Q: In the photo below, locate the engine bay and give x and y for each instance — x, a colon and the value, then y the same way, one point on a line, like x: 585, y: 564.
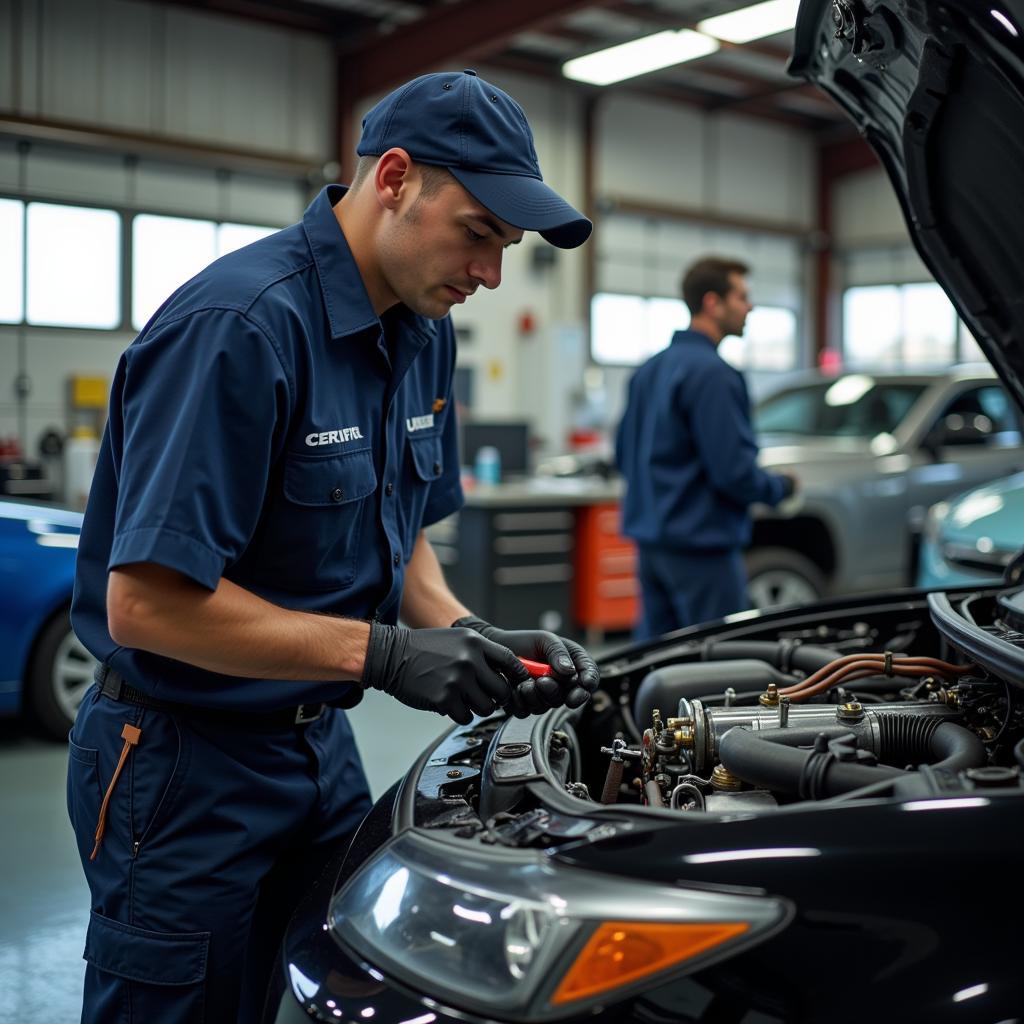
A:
x: 907, y: 700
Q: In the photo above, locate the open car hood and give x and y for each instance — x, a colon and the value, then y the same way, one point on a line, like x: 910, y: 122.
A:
x: 937, y: 90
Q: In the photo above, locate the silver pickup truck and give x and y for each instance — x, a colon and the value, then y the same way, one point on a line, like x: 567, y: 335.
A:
x: 870, y: 450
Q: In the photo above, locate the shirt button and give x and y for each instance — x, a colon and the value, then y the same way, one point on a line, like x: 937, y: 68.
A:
x: 337, y: 494
x: 437, y: 469
x: 389, y: 490
x: 397, y: 559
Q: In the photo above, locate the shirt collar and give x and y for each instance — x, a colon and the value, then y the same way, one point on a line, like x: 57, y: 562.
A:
x: 349, y: 310
x: 691, y: 335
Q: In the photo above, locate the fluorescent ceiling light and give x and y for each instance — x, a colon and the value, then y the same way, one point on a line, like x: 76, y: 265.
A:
x: 767, y: 19
x: 627, y: 60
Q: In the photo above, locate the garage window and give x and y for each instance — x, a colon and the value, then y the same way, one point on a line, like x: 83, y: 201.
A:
x: 12, y: 262
x: 168, y: 251
x: 74, y: 263
x: 626, y: 330
x: 902, y: 327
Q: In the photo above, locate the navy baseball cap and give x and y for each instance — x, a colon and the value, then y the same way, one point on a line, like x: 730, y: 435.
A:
x: 480, y: 134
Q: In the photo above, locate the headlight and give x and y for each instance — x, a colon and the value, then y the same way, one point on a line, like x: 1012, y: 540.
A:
x: 505, y: 932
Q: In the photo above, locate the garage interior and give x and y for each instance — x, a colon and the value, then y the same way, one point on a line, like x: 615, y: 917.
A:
x: 142, y: 139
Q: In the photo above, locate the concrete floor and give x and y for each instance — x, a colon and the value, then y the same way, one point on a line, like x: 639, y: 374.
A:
x: 44, y: 901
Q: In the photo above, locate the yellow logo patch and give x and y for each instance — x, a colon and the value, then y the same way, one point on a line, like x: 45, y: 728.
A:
x: 439, y: 404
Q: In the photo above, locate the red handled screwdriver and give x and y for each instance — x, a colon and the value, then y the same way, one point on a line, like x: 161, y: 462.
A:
x: 536, y: 668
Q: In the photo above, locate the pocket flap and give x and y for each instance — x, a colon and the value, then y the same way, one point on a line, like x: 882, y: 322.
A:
x: 158, y: 958
x: 335, y: 480
x: 427, y: 457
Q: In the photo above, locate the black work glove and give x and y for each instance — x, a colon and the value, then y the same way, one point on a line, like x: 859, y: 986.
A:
x: 575, y: 675
x: 454, y: 672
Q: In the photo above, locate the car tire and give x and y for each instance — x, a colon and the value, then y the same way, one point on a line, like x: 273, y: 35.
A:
x: 60, y: 671
x: 777, y: 577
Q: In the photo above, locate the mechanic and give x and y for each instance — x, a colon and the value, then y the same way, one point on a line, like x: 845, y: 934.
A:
x: 687, y: 451
x: 280, y: 433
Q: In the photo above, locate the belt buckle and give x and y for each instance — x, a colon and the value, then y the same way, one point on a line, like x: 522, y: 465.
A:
x: 305, y: 713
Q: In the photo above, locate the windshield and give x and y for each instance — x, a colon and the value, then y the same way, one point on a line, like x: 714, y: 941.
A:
x: 852, y: 406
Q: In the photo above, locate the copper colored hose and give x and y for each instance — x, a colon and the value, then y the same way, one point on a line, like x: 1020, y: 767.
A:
x: 860, y: 666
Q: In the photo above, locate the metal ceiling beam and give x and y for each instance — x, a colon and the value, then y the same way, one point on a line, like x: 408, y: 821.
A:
x: 465, y: 30
x: 690, y: 96
x: 301, y: 15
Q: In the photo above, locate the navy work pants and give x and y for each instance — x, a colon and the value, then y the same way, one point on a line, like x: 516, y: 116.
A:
x: 213, y: 833
x: 682, y: 588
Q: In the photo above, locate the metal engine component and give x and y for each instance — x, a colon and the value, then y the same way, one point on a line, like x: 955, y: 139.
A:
x: 699, y: 730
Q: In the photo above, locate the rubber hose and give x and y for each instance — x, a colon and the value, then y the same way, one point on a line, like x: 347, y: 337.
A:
x: 665, y: 687
x: 765, y: 758
x: 958, y: 747
x: 905, y: 739
x: 612, y: 781
x: 782, y: 654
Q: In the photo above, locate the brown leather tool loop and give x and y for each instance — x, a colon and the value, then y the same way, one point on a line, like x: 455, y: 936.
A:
x: 130, y: 734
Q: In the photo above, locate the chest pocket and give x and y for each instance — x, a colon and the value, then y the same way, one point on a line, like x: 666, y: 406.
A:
x: 424, y: 465
x: 313, y: 530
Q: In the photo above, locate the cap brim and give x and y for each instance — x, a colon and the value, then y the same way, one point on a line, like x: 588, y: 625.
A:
x: 527, y: 203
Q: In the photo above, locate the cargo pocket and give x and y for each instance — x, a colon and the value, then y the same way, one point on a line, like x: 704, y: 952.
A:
x: 163, y: 967
x: 426, y: 464
x: 312, y: 535
x: 85, y: 794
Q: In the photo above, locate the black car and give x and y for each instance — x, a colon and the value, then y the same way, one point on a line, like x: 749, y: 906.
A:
x: 813, y: 815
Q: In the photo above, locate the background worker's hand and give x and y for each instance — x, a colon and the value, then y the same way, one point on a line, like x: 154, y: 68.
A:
x: 454, y: 672
x: 574, y: 678
x: 793, y: 482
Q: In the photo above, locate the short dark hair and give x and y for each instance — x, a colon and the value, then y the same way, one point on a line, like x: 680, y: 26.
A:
x: 434, y: 178
x: 709, y: 274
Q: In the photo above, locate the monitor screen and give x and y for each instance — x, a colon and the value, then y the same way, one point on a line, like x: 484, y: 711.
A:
x: 511, y: 439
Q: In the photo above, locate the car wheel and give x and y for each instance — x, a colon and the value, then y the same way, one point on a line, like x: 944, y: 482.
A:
x: 59, y: 674
x: 780, y: 576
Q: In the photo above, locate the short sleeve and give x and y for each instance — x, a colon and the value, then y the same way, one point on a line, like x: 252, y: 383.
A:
x: 202, y: 415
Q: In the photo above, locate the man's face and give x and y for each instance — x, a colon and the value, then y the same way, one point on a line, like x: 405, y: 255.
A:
x: 733, y: 308
x: 437, y: 251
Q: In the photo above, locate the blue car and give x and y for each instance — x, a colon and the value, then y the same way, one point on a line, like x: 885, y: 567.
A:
x: 44, y: 669
x: 973, y: 537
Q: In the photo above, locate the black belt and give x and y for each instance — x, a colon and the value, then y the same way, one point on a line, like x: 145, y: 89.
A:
x: 113, y: 685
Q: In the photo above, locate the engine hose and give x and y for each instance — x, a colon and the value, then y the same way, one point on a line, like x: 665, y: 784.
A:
x: 958, y: 747
x: 612, y: 781
x: 654, y: 797
x: 767, y: 759
x: 663, y: 688
x: 785, y: 655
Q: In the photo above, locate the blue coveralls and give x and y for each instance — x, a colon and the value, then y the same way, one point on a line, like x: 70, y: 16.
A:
x: 686, y: 448
x: 266, y: 427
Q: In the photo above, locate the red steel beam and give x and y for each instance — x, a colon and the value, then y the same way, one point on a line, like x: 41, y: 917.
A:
x: 835, y: 160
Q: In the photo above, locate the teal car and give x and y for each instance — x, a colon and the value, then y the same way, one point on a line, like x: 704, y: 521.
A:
x: 973, y: 537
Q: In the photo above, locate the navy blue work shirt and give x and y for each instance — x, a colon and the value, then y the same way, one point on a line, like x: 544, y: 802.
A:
x: 687, y: 450
x: 267, y: 427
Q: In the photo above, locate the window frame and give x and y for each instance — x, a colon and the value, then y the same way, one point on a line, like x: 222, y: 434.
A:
x: 127, y: 216
x: 901, y: 366
x: 645, y: 298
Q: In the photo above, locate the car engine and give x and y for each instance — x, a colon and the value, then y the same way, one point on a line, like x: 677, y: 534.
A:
x: 839, y: 710
x: 903, y: 698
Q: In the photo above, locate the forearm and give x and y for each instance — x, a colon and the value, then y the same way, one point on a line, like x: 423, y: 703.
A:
x: 427, y: 601
x: 229, y: 630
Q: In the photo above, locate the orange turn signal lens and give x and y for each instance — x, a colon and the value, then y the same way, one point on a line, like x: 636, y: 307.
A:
x: 620, y: 952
